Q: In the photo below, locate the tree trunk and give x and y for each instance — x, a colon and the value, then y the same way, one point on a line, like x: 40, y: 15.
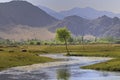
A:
x: 68, y: 53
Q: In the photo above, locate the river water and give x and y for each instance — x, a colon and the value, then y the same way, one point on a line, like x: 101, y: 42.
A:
x: 70, y: 70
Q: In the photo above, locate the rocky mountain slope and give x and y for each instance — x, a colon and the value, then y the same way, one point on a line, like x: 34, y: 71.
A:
x: 100, y: 27
x: 24, y: 13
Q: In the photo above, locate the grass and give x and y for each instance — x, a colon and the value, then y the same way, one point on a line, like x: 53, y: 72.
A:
x: 112, y: 65
x: 98, y: 51
x: 11, y: 56
x: 109, y: 50
x: 98, y: 48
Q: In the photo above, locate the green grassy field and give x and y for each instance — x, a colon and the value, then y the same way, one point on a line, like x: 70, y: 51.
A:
x: 79, y: 49
x: 112, y: 65
x: 11, y: 56
x: 109, y: 50
x: 99, y: 51
x: 15, y: 56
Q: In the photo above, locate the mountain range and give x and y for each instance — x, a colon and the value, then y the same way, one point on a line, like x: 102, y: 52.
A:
x: 100, y: 27
x: 88, y: 13
x: 22, y: 20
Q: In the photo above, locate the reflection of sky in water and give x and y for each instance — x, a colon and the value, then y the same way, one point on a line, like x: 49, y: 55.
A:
x: 71, y: 72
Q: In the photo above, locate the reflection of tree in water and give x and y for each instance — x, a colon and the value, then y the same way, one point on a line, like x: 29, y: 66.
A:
x: 104, y: 74
x: 43, y: 76
x: 63, y: 74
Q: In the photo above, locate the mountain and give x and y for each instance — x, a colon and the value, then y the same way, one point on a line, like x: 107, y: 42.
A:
x: 51, y: 12
x: 100, y: 27
x: 20, y: 20
x: 108, y: 26
x: 24, y: 13
x: 88, y: 13
x: 75, y: 24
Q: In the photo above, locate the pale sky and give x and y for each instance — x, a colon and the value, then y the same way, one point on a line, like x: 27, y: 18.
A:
x: 58, y: 5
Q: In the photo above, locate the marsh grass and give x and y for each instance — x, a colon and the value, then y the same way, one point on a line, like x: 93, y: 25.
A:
x: 111, y: 50
x: 11, y: 56
x: 112, y: 65
x: 8, y: 60
x: 79, y: 49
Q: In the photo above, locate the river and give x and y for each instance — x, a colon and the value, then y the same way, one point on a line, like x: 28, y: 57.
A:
x: 69, y: 69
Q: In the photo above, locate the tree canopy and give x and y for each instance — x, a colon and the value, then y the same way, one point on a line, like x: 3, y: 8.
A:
x: 63, y: 34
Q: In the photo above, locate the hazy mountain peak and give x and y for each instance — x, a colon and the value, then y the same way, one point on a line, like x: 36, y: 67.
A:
x: 48, y: 10
x: 75, y: 18
x: 77, y: 9
x: 116, y: 18
x: 19, y: 2
x: 88, y: 8
x: 51, y: 12
x: 104, y: 17
x: 88, y: 12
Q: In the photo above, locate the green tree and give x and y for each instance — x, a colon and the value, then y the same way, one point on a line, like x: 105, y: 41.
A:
x: 63, y: 34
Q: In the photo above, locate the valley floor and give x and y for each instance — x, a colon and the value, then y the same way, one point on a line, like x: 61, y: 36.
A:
x: 11, y: 56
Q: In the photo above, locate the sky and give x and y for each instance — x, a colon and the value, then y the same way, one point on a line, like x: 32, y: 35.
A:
x: 60, y: 5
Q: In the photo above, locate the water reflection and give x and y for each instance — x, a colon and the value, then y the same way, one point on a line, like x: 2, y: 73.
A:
x: 68, y: 72
x: 63, y: 74
x: 104, y: 74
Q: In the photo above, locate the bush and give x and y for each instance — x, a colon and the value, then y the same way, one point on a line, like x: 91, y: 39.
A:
x: 38, y: 43
x: 1, y: 46
x: 24, y: 50
x: 11, y: 51
x: 117, y: 42
x: 31, y: 43
x: 1, y: 50
x: 45, y: 43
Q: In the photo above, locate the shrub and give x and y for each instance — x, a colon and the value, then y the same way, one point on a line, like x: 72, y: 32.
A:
x: 38, y: 43
x: 31, y: 43
x: 11, y: 51
x: 1, y: 50
x: 24, y: 50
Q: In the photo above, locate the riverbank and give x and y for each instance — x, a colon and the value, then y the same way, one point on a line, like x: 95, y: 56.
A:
x: 64, y: 60
x: 11, y: 56
x: 63, y: 70
x: 8, y: 60
x: 102, y: 51
x: 112, y: 65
